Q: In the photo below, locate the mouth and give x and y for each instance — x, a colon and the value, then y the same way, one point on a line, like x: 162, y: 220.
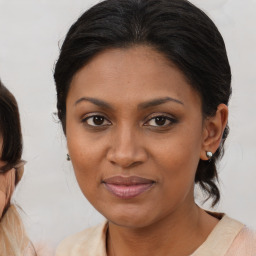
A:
x: 127, y: 187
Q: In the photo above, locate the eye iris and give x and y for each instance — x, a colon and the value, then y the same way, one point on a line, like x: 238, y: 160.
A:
x: 160, y: 120
x: 98, y: 120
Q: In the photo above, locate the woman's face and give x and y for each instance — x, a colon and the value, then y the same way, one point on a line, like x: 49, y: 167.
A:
x: 134, y: 131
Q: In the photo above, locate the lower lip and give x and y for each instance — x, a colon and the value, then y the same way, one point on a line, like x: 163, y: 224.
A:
x: 126, y: 192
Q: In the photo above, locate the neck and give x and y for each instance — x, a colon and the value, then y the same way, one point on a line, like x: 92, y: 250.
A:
x: 179, y: 234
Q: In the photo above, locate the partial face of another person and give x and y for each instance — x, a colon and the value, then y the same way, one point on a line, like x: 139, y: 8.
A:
x: 2, y: 195
x: 7, y: 185
x: 135, y: 131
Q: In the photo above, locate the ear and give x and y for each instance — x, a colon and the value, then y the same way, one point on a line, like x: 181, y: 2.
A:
x: 212, y: 131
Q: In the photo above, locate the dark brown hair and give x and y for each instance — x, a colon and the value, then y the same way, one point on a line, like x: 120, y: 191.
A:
x: 10, y: 129
x: 184, y: 34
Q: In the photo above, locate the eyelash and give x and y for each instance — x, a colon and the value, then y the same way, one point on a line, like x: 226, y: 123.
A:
x: 100, y: 126
x: 165, y: 117
x: 85, y: 121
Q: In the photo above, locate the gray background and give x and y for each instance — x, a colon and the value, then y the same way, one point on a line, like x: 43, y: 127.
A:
x: 30, y: 34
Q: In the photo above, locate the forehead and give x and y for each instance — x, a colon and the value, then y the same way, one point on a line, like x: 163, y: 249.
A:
x: 131, y: 75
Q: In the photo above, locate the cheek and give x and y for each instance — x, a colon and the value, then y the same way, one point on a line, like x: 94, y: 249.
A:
x: 181, y: 147
x: 178, y: 156
x: 86, y: 154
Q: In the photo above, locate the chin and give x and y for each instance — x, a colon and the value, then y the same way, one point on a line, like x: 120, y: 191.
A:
x: 130, y: 223
x: 131, y: 219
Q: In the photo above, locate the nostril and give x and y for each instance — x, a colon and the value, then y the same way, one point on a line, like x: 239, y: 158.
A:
x: 124, y: 160
x: 127, y: 162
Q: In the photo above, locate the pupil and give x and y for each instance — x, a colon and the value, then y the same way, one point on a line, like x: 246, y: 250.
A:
x: 98, y: 120
x: 160, y: 120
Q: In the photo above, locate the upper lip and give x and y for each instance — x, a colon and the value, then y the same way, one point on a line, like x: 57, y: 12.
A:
x: 127, y: 180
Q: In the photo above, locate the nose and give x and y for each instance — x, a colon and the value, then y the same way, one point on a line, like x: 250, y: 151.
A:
x: 126, y: 149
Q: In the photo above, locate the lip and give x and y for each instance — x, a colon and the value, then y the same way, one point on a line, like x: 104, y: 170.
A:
x: 127, y: 187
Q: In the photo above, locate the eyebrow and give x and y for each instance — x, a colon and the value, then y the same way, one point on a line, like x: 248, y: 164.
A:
x: 97, y: 102
x: 147, y: 104
x: 156, y: 102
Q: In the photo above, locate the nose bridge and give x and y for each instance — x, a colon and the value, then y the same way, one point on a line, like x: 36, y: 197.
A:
x: 125, y: 145
x: 126, y: 148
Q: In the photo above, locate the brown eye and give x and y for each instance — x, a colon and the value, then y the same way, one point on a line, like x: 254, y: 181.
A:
x: 160, y: 121
x: 97, y: 121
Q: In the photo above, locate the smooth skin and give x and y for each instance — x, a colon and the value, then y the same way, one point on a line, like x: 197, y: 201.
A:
x: 130, y: 112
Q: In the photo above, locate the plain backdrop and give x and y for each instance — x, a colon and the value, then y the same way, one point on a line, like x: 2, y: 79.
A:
x: 31, y: 32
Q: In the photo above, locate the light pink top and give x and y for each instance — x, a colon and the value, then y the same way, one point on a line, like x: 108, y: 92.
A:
x: 228, y: 238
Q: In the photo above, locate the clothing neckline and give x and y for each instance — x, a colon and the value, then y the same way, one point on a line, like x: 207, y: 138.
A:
x: 218, y: 241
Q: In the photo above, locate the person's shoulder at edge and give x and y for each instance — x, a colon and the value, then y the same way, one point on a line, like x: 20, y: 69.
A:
x: 76, y: 244
x: 241, y: 243
x: 244, y: 244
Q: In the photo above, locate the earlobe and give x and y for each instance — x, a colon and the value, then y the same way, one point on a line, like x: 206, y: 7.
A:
x: 213, y: 130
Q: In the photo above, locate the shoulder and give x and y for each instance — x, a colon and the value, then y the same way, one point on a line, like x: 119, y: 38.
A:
x: 244, y: 244
x: 240, y: 239
x: 229, y: 238
x: 88, y: 242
